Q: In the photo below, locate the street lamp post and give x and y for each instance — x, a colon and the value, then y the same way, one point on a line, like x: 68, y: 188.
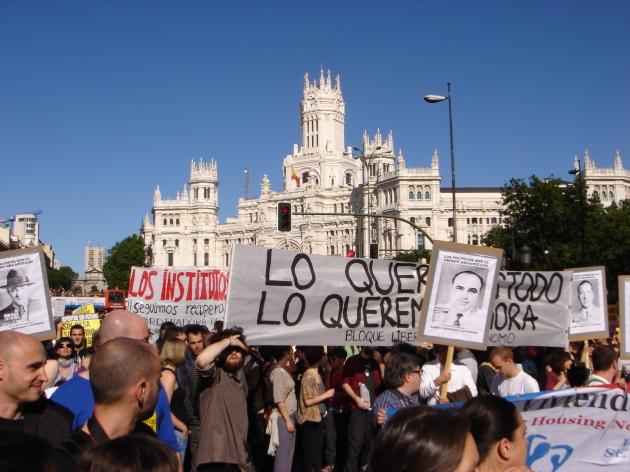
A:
x: 437, y: 99
x: 367, y: 162
x: 580, y: 176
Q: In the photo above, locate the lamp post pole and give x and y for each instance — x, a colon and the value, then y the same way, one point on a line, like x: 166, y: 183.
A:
x: 437, y: 99
x: 580, y: 175
x: 367, y: 162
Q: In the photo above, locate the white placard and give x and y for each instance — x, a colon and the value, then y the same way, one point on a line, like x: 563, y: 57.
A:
x: 281, y: 297
x: 188, y: 295
x: 531, y: 309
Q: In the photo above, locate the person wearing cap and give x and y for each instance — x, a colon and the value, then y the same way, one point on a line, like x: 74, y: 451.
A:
x: 21, y: 308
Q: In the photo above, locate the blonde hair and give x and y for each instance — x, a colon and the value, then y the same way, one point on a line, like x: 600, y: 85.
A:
x: 173, y: 352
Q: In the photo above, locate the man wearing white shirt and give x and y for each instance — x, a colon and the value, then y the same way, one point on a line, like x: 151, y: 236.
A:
x: 509, y: 379
x: 433, y: 376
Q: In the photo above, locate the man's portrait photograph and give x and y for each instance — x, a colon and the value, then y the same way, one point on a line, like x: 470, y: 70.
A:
x: 458, y: 300
x: 24, y: 303
x: 589, y: 312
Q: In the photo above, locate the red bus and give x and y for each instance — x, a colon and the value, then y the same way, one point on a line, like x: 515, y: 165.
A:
x: 115, y: 299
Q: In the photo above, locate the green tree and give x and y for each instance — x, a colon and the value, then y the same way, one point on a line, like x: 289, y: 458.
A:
x: 125, y: 254
x: 548, y: 215
x: 61, y: 278
x: 415, y: 255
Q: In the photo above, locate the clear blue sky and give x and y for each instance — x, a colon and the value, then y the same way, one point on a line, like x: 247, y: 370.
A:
x: 102, y: 101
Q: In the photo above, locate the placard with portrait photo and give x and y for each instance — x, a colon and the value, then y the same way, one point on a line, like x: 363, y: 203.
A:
x: 458, y: 300
x: 24, y: 297
x: 589, y: 310
x: 624, y: 315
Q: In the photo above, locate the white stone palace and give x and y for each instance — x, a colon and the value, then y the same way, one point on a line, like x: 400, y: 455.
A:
x: 609, y: 184
x: 323, y: 175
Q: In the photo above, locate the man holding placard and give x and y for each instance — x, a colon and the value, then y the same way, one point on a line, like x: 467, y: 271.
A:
x: 460, y: 383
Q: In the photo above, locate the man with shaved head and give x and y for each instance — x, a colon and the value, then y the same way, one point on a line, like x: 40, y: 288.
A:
x: 22, y: 376
x: 124, y: 375
x: 77, y: 395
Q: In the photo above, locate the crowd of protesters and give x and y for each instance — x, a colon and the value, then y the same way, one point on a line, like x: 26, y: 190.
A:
x: 200, y: 399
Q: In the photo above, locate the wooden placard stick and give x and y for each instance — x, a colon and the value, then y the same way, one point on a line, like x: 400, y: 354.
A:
x: 447, y: 368
x: 586, y: 359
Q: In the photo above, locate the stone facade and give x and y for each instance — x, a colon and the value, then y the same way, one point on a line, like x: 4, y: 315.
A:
x: 609, y: 184
x: 322, y: 175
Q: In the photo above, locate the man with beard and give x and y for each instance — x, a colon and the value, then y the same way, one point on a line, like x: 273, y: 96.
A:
x: 124, y: 375
x: 223, y: 404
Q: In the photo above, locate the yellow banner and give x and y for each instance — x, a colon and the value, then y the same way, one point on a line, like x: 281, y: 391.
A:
x: 84, y: 309
x: 90, y: 323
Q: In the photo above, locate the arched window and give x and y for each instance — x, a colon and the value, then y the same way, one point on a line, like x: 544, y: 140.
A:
x: 206, y: 259
x: 411, y: 193
x: 419, y: 195
x: 348, y: 178
x: 427, y: 195
x: 611, y: 195
x: 305, y: 177
x: 475, y: 240
x: 332, y: 250
x: 412, y: 220
x: 427, y: 220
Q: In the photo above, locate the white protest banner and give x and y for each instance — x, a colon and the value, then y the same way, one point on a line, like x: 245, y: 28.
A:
x: 182, y: 295
x: 531, y: 309
x: 281, y: 297
x: 61, y: 303
x: 577, y: 429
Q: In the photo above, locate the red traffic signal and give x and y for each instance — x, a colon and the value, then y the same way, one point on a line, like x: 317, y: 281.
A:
x: 284, y: 216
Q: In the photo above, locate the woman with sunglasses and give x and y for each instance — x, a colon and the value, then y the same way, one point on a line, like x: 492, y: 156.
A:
x: 68, y: 365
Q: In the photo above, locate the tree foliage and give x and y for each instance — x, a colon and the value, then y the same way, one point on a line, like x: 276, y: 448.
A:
x: 562, y: 230
x: 415, y: 255
x: 125, y: 254
x: 61, y: 278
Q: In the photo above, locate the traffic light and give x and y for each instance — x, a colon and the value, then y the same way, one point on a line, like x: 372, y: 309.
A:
x: 373, y: 250
x: 284, y: 216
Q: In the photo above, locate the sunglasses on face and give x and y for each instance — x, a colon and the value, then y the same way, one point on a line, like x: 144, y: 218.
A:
x: 65, y: 345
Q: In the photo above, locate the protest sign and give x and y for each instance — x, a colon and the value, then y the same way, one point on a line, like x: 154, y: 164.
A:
x: 577, y: 429
x: 460, y: 291
x: 60, y: 304
x: 84, y: 310
x: 589, y: 311
x: 188, y: 295
x: 624, y: 315
x: 89, y: 320
x: 531, y: 309
x: 24, y: 299
x: 281, y: 297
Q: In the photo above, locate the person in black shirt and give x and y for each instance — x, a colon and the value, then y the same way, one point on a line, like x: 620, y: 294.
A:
x: 22, y: 404
x: 124, y: 375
